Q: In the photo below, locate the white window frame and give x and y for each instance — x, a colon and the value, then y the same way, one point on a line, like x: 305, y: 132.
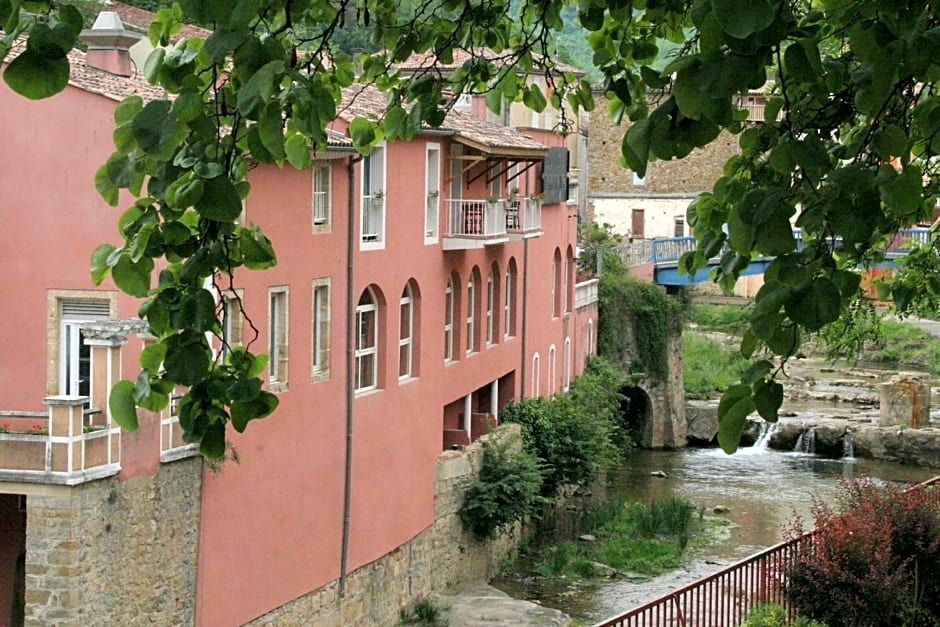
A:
x: 491, y: 307
x: 449, y: 321
x: 373, y: 199
x: 471, y: 313
x: 565, y: 279
x: 72, y: 350
x: 278, y: 335
x: 232, y: 320
x: 536, y: 366
x: 551, y: 370
x: 507, y: 305
x: 432, y: 197
x: 566, y: 366
x: 363, y: 311
x: 406, y: 307
x: 322, y: 196
x: 556, y: 309
x: 320, y: 329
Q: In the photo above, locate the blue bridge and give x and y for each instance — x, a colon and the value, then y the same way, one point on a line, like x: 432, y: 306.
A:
x: 664, y: 253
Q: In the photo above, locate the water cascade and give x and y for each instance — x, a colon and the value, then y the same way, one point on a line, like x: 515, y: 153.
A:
x: 806, y: 443
x: 763, y: 439
x: 848, y: 446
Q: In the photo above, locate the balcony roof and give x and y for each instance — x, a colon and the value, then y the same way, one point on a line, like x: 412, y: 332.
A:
x: 490, y: 139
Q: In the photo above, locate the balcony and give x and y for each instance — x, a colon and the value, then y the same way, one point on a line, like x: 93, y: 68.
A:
x: 475, y: 224
x: 524, y: 218
x: 585, y: 293
x: 68, y: 446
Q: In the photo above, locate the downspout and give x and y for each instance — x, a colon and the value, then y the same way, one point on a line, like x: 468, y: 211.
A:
x: 525, y: 302
x: 350, y: 360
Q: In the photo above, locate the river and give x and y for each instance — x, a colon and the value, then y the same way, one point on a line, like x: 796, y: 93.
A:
x: 761, y: 489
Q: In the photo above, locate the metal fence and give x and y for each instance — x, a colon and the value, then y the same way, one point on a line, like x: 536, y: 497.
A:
x: 724, y: 598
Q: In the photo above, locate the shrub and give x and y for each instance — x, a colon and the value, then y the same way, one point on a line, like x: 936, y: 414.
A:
x: 422, y: 611
x: 506, y: 491
x: 723, y: 317
x: 773, y: 615
x: 709, y: 367
x: 875, y: 562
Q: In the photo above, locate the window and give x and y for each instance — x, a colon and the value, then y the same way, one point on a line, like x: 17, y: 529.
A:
x: 566, y: 367
x: 232, y: 320
x: 373, y: 198
x: 508, y: 301
x: 463, y: 102
x: 638, y: 181
x: 565, y: 284
x: 277, y: 336
x: 551, y: 369
x: 535, y: 374
x: 432, y: 188
x: 680, y: 227
x: 322, y: 196
x: 367, y: 342
x: 449, y: 321
x: 321, y: 329
x: 589, y: 341
x: 471, y: 313
x: 556, y: 284
x: 491, y: 307
x: 406, y: 333
x: 74, y: 354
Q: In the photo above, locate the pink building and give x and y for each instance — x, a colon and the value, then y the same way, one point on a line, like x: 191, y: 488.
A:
x: 456, y: 295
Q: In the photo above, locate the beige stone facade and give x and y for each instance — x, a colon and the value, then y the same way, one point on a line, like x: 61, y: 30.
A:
x: 113, y: 552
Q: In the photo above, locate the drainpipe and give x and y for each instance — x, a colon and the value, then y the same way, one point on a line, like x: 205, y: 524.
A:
x: 350, y: 360
x: 525, y: 301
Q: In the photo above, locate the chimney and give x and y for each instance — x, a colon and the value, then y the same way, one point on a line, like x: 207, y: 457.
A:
x: 108, y: 44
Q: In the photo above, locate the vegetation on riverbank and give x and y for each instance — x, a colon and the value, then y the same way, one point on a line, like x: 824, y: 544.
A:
x: 566, y: 440
x: 708, y: 367
x: 636, y: 538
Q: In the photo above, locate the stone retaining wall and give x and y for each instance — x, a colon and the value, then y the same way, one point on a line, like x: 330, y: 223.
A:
x: 442, y: 556
x: 115, y: 552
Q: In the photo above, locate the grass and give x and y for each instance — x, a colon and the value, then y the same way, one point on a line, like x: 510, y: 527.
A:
x: 728, y: 318
x: 707, y: 365
x: 631, y: 537
x: 906, y: 344
x: 422, y: 611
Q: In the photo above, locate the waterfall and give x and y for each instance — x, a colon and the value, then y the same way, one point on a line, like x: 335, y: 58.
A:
x: 806, y: 443
x: 848, y: 446
x: 763, y: 439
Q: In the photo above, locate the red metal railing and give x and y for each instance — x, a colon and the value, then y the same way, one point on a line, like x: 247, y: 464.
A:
x: 725, y: 598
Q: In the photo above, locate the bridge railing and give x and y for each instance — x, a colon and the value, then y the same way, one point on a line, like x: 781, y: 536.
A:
x: 725, y: 598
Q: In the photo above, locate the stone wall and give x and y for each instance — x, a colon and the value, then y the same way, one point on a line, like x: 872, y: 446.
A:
x: 442, y: 556
x: 115, y: 552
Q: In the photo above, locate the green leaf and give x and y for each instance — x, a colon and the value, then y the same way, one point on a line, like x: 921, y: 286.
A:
x: 271, y: 131
x: 219, y: 200
x: 756, y: 371
x: 187, y: 357
x: 132, y: 277
x: 815, y: 305
x: 37, y: 76
x: 197, y: 311
x: 636, y: 146
x: 298, y: 151
x: 904, y: 194
x: 259, y: 407
x: 733, y: 409
x: 749, y: 344
x: 99, y: 263
x: 122, y: 406
x: 768, y: 397
x: 890, y: 141
x: 741, y: 21
x: 151, y: 357
x: 534, y: 98
x: 212, y: 443
x: 257, y: 251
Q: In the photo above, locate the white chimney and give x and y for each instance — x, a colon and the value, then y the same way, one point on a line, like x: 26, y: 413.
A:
x: 108, y: 44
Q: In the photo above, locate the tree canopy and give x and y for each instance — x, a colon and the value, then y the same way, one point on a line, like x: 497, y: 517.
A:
x: 847, y: 148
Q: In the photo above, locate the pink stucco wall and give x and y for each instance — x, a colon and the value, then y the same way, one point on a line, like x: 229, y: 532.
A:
x: 271, y: 524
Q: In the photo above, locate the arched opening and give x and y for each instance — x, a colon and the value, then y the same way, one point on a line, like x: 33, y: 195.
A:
x: 637, y: 412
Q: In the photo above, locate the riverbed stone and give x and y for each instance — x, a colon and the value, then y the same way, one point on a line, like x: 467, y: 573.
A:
x: 702, y: 421
x: 905, y: 400
x: 482, y: 605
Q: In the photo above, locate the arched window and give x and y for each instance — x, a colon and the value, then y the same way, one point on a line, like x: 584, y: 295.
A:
x: 406, y: 333
x: 567, y: 286
x: 557, y: 271
x: 551, y: 369
x: 449, y: 321
x: 471, y: 313
x: 367, y: 341
x: 566, y: 366
x: 509, y: 299
x: 491, y: 296
x: 535, y: 374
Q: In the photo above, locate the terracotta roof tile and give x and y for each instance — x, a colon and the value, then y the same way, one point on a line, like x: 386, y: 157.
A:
x: 368, y: 102
x: 429, y: 60
x: 140, y: 19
